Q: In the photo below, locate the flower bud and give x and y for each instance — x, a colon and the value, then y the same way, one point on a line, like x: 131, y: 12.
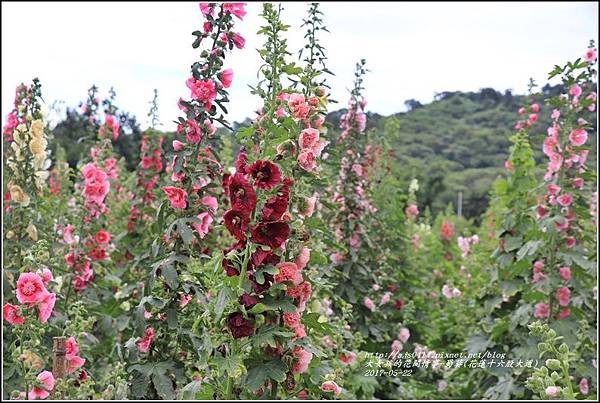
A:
x: 563, y: 348
x: 542, y: 347
x: 551, y: 334
x: 553, y: 364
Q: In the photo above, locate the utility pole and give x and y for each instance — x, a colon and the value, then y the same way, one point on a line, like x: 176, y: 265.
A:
x: 460, y: 197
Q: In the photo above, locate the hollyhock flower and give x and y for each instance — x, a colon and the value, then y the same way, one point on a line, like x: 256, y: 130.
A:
x: 30, y: 288
x: 226, y: 77
x: 98, y: 254
x: 204, y: 91
x: 239, y: 326
x: 247, y: 301
x: 47, y: 380
x: 535, y: 108
x: 354, y: 241
x: 184, y: 299
x: 46, y: 306
x: 578, y: 137
x: 291, y: 319
x: 583, y: 386
x: 47, y: 275
x: 74, y: 363
x: 441, y: 385
x: 446, y: 291
x: 301, y: 293
x: 369, y: 304
x: 565, y: 199
x: 288, y: 271
x: 308, y: 206
x: 521, y: 111
x: 357, y: 169
x: 276, y: 206
x: 177, y: 196
x: 553, y: 189
x: 578, y: 183
x: 446, y: 231
x: 178, y: 145
x: 396, y: 347
x: 203, y: 227
x: 238, y: 40
x: 102, y: 237
x: 565, y: 273
x: 306, y: 160
x: 385, y: 298
x: 237, y: 223
x: 68, y: 235
x: 411, y: 211
x: 552, y: 391
x: 206, y: 9
x: 272, y: 234
x: 456, y: 293
x: 337, y: 257
x: 541, y: 310
x: 563, y: 313
x: 348, y: 358
x: 303, y: 258
x: 308, y: 138
x: 404, y: 335
x: 144, y: 343
x: 590, y: 56
x: 10, y: 313
x: 193, y: 133
x: 71, y: 348
x: 575, y: 90
x: 331, y: 386
x: 570, y: 241
x: 241, y: 194
x: 236, y: 9
x: 562, y: 295
x: 302, y: 360
x: 266, y: 174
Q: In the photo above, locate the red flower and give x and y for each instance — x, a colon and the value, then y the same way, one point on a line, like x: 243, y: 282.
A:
x: 102, y: 237
x: 98, y: 254
x: 241, y: 194
x: 446, y: 231
x: 398, y: 304
x: 239, y: 326
x: 272, y: 234
x: 263, y: 257
x: 247, y: 300
x: 266, y: 174
x: 240, y: 162
x: 278, y: 204
x: 237, y: 223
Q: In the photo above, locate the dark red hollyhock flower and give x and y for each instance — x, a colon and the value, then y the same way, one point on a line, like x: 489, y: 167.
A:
x: 241, y: 194
x: 273, y: 233
x: 260, y: 288
x: 225, y: 181
x: 392, y: 288
x: 398, y: 304
x: 98, y: 254
x: 266, y: 174
x: 278, y: 204
x: 240, y: 162
x: 237, y: 223
x: 247, y: 300
x: 229, y: 269
x: 261, y: 257
x: 239, y: 326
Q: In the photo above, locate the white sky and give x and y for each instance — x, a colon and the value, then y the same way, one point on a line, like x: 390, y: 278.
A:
x: 412, y: 49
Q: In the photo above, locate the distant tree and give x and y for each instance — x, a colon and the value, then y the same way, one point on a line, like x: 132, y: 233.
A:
x: 412, y: 104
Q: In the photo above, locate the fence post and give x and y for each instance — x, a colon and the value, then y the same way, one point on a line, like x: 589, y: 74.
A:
x: 460, y: 197
x: 59, y: 352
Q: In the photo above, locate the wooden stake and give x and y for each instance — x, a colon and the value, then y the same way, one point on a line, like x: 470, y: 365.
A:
x: 59, y: 363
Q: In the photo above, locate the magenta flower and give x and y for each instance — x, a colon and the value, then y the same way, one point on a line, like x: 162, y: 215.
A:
x: 578, y: 137
x: 226, y: 77
x: 10, y: 313
x: 236, y: 9
x: 46, y: 306
x: 204, y: 91
x: 30, y: 288
x: 562, y: 295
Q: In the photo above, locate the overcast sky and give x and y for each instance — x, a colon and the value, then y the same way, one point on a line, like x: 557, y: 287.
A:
x: 412, y: 49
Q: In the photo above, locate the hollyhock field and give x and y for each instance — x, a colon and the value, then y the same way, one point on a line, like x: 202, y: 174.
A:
x: 286, y: 257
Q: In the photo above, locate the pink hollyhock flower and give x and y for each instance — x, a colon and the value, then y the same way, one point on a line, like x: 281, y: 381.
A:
x: 541, y: 310
x: 10, y: 313
x: 102, y: 237
x: 68, y: 235
x: 376, y: 287
x: 583, y: 384
x: 532, y: 118
x: 553, y: 189
x: 46, y: 306
x: 302, y: 394
x: 404, y: 335
x: 308, y: 138
x: 446, y: 231
x: 555, y: 114
x: 590, y: 56
x: 565, y: 199
x: 441, y: 385
x: 147, y: 314
x: 184, y: 299
x: 47, y: 275
x: 291, y: 319
x: 306, y: 160
x: 348, y: 358
x: 565, y: 273
x: 30, y: 288
x: 563, y: 313
x: 236, y: 9
x: 396, y: 347
x: 361, y: 121
x: 303, y: 258
x: 331, y: 386
x: 206, y: 9
x: 385, y: 298
x: 369, y: 304
x: 446, y: 291
x: 337, y: 257
x: 302, y: 358
x: 570, y: 241
x: 203, y: 227
x: 204, y: 91
x: 177, y: 196
x: 578, y: 137
x: 521, y: 111
x: 144, y: 343
x: 562, y: 295
x: 552, y: 391
x: 238, y: 40
x: 411, y: 211
x: 288, y: 271
x: 47, y: 380
x: 309, y: 206
x: 456, y: 293
x: 226, y: 77
x: 193, y: 133
x: 71, y: 348
x: 535, y: 108
x: 578, y: 183
x: 210, y: 202
x: 178, y: 145
x: 357, y: 169
x: 575, y: 90
x: 354, y: 241
x: 75, y: 363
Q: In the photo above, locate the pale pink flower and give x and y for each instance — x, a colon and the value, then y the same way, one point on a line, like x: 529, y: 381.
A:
x: 226, y: 77
x: 575, y: 90
x: 441, y: 385
x: 578, y: 137
x: 369, y: 304
x: 446, y: 291
x: 178, y: 145
x: 47, y: 380
x: 411, y: 211
x: 541, y: 310
x: 583, y: 386
x: 303, y: 359
x: 309, y: 207
x: 456, y: 293
x: 337, y: 257
x: 47, y: 276
x: 565, y: 273
x: 303, y: 258
x: 331, y: 386
x: 565, y: 199
x: 552, y: 391
x: 562, y: 295
x: 46, y: 306
x: 385, y: 298
x: 521, y: 111
x: 590, y: 55
x: 535, y: 108
x: 404, y: 335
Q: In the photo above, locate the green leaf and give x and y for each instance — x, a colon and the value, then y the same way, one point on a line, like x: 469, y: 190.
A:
x: 529, y: 249
x: 139, y: 385
x: 172, y: 318
x: 258, y: 374
x: 163, y: 385
x: 197, y: 390
x: 221, y: 301
x: 512, y: 242
x: 169, y: 273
